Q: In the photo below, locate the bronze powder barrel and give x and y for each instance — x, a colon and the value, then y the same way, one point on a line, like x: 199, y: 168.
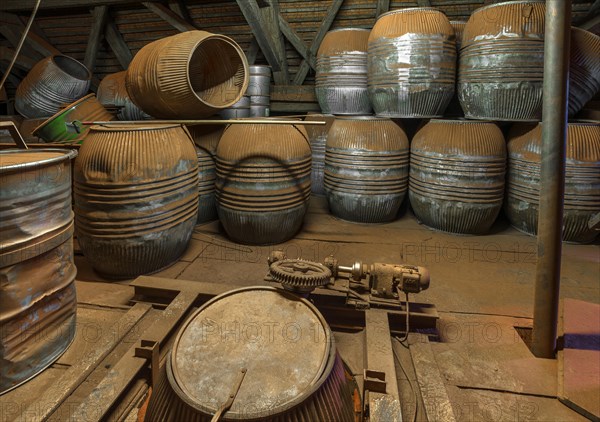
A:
x: 582, y: 179
x: 263, y: 181
x: 411, y: 63
x: 50, y: 84
x: 341, y: 74
x: 136, y: 197
x: 187, y: 76
x: 457, y: 171
x: 584, y: 69
x: 278, y: 341
x: 317, y: 135
x: 112, y: 92
x: 502, y: 62
x: 366, y: 168
x: 37, y: 270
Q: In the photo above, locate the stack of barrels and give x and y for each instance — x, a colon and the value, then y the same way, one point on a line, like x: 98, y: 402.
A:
x: 256, y: 102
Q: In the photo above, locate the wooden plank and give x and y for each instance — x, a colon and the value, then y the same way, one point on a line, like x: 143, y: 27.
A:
x: 252, y: 51
x: 382, y: 7
x: 179, y: 7
x: 117, y: 43
x: 28, y: 5
x: 297, y: 42
x: 13, y: 34
x: 96, y: 34
x: 424, y: 3
x: 293, y: 93
x: 169, y: 16
x: 23, y: 62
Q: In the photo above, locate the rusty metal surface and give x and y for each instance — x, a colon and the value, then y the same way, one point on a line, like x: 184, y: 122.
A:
x: 112, y: 92
x: 189, y: 75
x: 502, y: 62
x: 457, y: 175
x: 584, y: 69
x: 411, y: 63
x: 136, y: 197
x: 317, y: 135
x: 51, y: 83
x: 366, y: 169
x: 341, y: 74
x: 582, y: 181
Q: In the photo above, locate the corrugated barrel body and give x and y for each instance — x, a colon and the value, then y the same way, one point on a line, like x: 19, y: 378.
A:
x: 584, y: 69
x: 502, y: 62
x: 112, y: 92
x: 263, y: 182
x: 341, y: 76
x: 317, y: 135
x: 411, y: 63
x: 366, y: 169
x: 37, y: 270
x: 136, y: 197
x: 582, y: 179
x: 457, y: 171
x: 50, y: 84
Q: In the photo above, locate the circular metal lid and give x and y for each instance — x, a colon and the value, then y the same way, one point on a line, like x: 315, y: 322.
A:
x: 24, y: 160
x: 279, y: 338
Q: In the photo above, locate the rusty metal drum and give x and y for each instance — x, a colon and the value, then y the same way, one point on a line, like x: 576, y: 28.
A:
x: 317, y: 135
x: 582, y: 179
x: 457, y: 170
x: 263, y: 181
x: 217, y: 347
x: 366, y: 168
x: 112, y: 92
x: 584, y: 69
x: 411, y: 63
x: 341, y: 74
x: 502, y: 62
x: 136, y: 197
x: 37, y: 270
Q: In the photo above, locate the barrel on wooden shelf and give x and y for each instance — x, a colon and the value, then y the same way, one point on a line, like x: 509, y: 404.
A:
x: 459, y: 28
x: 259, y: 90
x: 239, y: 110
x: 136, y: 197
x: 411, y: 63
x: 317, y: 135
x: 190, y: 75
x: 37, y: 270
x: 341, y: 75
x: 501, y: 62
x: 112, y: 92
x: 53, y: 82
x: 366, y: 168
x: 457, y: 170
x: 582, y: 179
x: 263, y: 181
x: 584, y: 69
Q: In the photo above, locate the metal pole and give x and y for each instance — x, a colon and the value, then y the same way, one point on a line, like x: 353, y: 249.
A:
x: 554, y: 138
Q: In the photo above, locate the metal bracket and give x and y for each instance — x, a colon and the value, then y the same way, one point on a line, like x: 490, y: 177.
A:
x: 227, y: 405
x: 374, y: 381
x: 149, y: 349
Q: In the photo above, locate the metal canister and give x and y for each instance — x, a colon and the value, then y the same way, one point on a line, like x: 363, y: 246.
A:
x: 50, y: 84
x: 239, y: 110
x: 584, y: 69
x: 136, y: 197
x: 259, y: 81
x: 366, y: 168
x: 582, y: 179
x: 317, y: 135
x: 502, y: 62
x: 37, y: 270
x: 457, y: 171
x: 341, y: 75
x: 411, y: 63
x: 112, y: 92
x: 263, y: 181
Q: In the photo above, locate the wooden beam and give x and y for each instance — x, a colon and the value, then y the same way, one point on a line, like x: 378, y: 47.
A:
x: 35, y: 40
x: 23, y: 62
x: 424, y: 3
x: 13, y: 34
x: 179, y: 7
x: 96, y: 33
x: 28, y: 5
x: 382, y: 7
x: 117, y: 43
x: 252, y: 51
x: 297, y: 42
x: 589, y: 24
x: 169, y: 16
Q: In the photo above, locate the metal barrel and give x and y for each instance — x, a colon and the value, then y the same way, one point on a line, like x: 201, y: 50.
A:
x: 582, y: 179
x: 263, y: 182
x: 366, y: 168
x: 501, y: 63
x: 258, y: 110
x: 50, y: 84
x: 187, y: 76
x: 317, y: 135
x: 239, y: 110
x: 259, y: 80
x: 411, y: 63
x: 341, y: 74
x: 65, y: 126
x: 136, y: 197
x: 584, y: 69
x: 37, y: 298
x: 457, y: 171
x: 206, y: 363
x: 459, y: 28
x: 112, y: 92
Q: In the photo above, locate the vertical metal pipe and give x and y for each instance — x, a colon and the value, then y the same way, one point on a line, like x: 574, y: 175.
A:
x: 554, y: 137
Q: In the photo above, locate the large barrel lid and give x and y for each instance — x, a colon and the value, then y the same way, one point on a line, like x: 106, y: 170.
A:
x: 29, y: 159
x: 281, y: 340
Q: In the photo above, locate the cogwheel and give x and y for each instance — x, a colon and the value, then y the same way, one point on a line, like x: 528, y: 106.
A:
x: 300, y: 275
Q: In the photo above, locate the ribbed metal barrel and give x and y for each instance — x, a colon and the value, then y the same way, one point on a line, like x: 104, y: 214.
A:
x: 238, y: 110
x: 50, y: 84
x: 112, y: 92
x: 37, y: 271
x: 366, y: 169
x: 317, y: 135
x: 65, y: 126
x: 582, y: 179
x: 292, y: 369
x: 502, y: 62
x: 136, y: 197
x: 187, y: 76
x: 459, y: 28
x: 411, y: 63
x: 584, y: 69
x: 457, y: 171
x: 341, y: 76
x: 263, y: 182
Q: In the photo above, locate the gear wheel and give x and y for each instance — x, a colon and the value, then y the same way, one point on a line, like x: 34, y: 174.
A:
x: 300, y: 275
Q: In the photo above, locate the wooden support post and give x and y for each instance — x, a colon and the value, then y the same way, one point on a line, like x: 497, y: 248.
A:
x: 297, y: 42
x: 382, y: 7
x: 96, y: 34
x: 179, y: 7
x: 169, y: 16
x: 23, y: 62
x: 117, y: 43
x: 252, y: 51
